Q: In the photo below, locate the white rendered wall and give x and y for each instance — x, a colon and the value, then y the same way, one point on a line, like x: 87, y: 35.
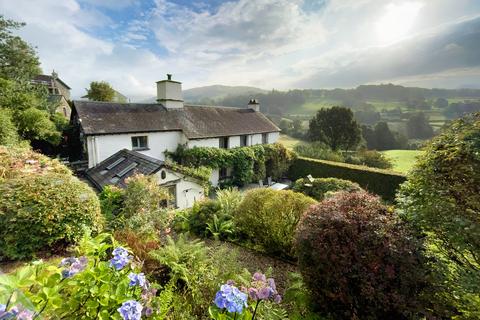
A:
x: 273, y: 137
x: 234, y: 142
x: 103, y: 146
x: 210, y: 142
x: 255, y: 139
x: 187, y: 190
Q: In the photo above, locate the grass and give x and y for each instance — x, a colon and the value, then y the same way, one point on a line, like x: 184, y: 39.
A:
x: 403, y: 160
x: 288, y: 141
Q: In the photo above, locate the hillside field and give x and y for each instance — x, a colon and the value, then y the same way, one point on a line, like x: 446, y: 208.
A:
x: 403, y: 160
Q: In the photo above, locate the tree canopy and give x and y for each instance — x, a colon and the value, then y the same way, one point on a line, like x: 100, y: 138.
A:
x: 335, y: 127
x: 100, y: 91
x: 18, y: 59
x: 442, y: 199
x: 27, y: 114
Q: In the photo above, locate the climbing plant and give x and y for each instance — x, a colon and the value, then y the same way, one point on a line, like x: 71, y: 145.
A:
x: 248, y: 164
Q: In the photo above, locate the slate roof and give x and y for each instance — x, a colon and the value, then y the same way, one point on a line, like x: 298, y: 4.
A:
x: 194, y: 121
x: 121, y: 165
x: 47, y: 79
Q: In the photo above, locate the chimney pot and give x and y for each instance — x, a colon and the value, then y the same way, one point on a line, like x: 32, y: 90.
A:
x: 254, y: 105
x: 169, y: 76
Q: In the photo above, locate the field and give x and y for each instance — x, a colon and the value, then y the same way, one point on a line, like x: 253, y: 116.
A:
x: 288, y: 141
x: 403, y: 160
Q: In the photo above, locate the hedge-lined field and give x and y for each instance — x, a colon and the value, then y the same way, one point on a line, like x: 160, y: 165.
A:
x: 382, y: 182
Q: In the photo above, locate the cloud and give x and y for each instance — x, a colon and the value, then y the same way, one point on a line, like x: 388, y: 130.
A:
x: 266, y: 43
x: 453, y: 47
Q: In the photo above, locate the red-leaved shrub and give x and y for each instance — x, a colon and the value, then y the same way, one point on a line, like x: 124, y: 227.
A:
x: 358, y: 260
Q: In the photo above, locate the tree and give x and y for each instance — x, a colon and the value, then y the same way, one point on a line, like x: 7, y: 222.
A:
x: 100, y: 91
x: 442, y: 199
x: 441, y: 103
x: 418, y: 127
x: 385, y: 138
x: 8, y: 131
x: 335, y: 127
x: 18, y: 60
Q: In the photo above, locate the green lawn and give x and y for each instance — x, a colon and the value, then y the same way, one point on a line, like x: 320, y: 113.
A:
x: 403, y: 160
x: 288, y: 141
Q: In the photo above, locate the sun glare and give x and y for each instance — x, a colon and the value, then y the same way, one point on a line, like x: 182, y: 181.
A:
x: 397, y: 21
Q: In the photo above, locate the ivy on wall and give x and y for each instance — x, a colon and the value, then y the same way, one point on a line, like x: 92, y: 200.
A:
x: 249, y: 164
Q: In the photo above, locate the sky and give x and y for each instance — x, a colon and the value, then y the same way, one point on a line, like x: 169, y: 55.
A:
x: 263, y: 43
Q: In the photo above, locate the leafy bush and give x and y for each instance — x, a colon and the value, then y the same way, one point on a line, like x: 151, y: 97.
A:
x: 268, y: 218
x: 139, y: 207
x: 382, y: 182
x: 42, y: 206
x: 201, y: 214
x: 8, y: 132
x: 370, y: 158
x: 442, y: 199
x: 319, y: 188
x: 318, y: 150
x: 358, y: 261
x: 97, y: 284
x: 195, y: 271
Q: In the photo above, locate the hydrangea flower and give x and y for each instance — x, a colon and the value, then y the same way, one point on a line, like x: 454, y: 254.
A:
x: 120, y: 258
x: 73, y: 266
x: 17, y: 312
x: 130, y: 310
x: 230, y: 298
x: 263, y: 288
x: 137, y: 279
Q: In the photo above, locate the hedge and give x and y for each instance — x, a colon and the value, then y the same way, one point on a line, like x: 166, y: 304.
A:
x: 382, y: 182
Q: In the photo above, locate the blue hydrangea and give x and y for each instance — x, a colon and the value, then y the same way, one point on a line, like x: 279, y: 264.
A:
x: 17, y: 312
x: 230, y: 298
x: 120, y: 258
x: 73, y: 266
x: 137, y: 279
x: 130, y: 310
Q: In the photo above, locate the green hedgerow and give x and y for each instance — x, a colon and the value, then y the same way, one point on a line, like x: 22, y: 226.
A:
x: 319, y: 188
x: 269, y: 217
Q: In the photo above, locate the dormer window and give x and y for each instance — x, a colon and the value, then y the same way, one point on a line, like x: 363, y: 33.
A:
x: 243, y: 141
x: 140, y: 143
x: 223, y: 143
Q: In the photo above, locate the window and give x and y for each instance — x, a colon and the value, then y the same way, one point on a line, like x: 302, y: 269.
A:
x: 130, y: 167
x: 223, y: 174
x: 243, y: 141
x: 264, y: 138
x: 139, y: 143
x: 115, y: 163
x: 163, y: 174
x: 172, y: 200
x: 224, y: 142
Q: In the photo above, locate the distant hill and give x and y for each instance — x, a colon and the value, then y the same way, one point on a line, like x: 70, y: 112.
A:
x: 210, y: 94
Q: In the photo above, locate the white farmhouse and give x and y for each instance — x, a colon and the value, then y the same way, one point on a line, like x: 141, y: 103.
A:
x: 151, y: 129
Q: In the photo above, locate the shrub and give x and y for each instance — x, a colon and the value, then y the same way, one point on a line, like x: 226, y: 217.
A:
x: 442, y: 199
x: 42, y: 206
x: 370, y: 158
x: 140, y: 207
x: 96, y: 284
x: 319, y: 188
x: 196, y: 271
x: 268, y: 218
x: 382, y: 182
x: 8, y: 132
x: 358, y: 261
x: 318, y: 150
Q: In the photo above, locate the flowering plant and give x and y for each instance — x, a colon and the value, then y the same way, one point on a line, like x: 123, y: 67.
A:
x: 232, y: 303
x: 102, y: 283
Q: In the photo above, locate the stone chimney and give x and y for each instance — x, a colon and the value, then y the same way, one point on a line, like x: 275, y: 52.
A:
x: 254, y: 105
x: 169, y: 93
